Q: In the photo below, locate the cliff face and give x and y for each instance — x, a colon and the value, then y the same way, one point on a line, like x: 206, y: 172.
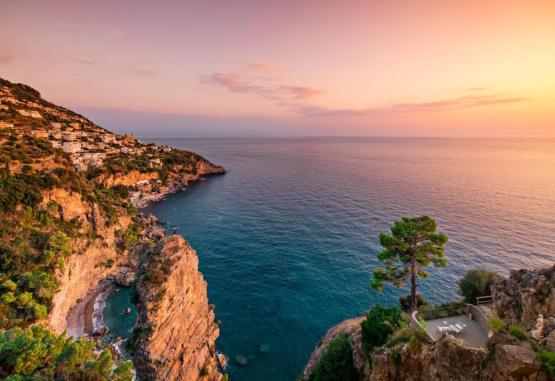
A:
x: 447, y: 359
x: 178, y: 331
x: 352, y: 329
x: 524, y: 295
x: 526, y: 298
x: 68, y: 196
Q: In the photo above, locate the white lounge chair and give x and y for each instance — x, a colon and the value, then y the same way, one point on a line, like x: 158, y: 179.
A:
x: 460, y: 326
x: 443, y: 329
x: 455, y: 329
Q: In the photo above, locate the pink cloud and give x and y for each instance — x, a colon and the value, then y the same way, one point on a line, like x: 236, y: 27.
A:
x: 261, y: 66
x: 268, y: 88
x: 412, y: 107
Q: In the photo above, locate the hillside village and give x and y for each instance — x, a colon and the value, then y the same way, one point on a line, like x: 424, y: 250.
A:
x: 88, y: 144
x: 69, y: 223
x: 92, y: 149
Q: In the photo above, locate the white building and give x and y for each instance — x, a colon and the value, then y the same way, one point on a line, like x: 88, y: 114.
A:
x: 71, y: 147
x: 69, y: 136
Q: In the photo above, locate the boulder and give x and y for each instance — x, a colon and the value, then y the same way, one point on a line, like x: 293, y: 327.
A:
x: 265, y: 348
x: 514, y: 362
x: 241, y: 360
x: 103, y: 331
x: 550, y: 341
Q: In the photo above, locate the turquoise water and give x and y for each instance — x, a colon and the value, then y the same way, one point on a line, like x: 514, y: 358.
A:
x: 286, y: 239
x: 115, y: 318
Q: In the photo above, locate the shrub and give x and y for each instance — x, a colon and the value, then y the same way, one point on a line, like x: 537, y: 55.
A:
x: 477, y: 283
x: 442, y: 310
x: 517, y: 332
x: 496, y: 324
x: 405, y: 302
x: 408, y: 335
x: 379, y: 324
x: 120, y: 191
x: 547, y: 358
x: 38, y: 354
x: 336, y: 364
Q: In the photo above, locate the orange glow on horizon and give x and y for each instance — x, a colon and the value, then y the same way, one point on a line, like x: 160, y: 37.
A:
x: 469, y: 68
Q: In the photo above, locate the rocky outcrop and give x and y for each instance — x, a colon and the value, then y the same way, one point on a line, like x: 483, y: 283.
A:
x: 513, y: 362
x: 524, y: 295
x: 526, y: 298
x: 82, y: 181
x: 352, y: 329
x: 447, y: 359
x: 130, y: 178
x: 175, y: 340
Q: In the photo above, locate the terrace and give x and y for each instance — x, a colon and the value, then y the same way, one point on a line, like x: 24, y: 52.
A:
x: 466, y: 322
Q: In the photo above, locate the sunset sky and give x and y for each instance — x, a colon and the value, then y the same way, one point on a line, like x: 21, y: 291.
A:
x: 280, y: 68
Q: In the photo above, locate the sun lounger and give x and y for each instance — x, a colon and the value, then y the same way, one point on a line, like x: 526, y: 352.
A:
x: 443, y: 329
x: 460, y: 326
x: 455, y: 328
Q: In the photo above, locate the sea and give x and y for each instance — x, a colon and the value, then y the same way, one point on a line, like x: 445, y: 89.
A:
x: 287, y: 239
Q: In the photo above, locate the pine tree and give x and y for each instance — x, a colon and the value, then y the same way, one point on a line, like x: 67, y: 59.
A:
x: 412, y: 245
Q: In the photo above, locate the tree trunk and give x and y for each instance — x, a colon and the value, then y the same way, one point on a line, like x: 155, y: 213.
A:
x: 413, y: 270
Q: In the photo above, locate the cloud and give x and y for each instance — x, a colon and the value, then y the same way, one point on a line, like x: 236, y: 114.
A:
x: 140, y: 71
x: 476, y: 89
x: 261, y: 66
x: 266, y: 87
x: 412, y: 107
x: 81, y: 61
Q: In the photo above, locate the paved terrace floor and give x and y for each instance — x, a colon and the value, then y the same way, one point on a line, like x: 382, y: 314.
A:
x: 472, y: 334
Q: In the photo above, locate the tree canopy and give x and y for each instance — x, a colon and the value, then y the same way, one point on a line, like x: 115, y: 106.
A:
x: 477, y: 283
x: 413, y: 244
x: 37, y: 354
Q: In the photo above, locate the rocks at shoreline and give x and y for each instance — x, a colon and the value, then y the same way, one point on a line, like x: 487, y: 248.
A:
x: 125, y: 276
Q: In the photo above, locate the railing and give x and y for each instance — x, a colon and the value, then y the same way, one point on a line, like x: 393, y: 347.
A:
x: 416, y: 324
x: 484, y: 299
x: 475, y: 313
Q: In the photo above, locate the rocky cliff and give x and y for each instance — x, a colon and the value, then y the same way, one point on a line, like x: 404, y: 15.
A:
x: 68, y: 221
x: 524, y: 295
x: 526, y: 300
x: 177, y: 328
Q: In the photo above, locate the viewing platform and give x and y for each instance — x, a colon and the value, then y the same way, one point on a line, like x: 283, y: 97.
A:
x: 471, y: 327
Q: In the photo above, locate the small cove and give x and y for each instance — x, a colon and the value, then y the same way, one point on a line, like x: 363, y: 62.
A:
x: 115, y: 314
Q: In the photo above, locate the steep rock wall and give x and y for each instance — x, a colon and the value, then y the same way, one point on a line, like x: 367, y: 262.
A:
x: 178, y: 328
x: 524, y: 295
x: 91, y: 261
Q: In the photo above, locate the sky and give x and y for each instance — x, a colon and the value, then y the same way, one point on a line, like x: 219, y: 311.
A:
x: 289, y: 67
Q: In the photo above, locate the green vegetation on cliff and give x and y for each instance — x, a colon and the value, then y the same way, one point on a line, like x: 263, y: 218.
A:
x: 37, y: 354
x: 336, y: 363
x: 379, y: 325
x: 477, y: 283
x: 65, y: 186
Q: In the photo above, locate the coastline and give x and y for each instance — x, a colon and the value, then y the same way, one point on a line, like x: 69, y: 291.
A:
x: 85, y: 317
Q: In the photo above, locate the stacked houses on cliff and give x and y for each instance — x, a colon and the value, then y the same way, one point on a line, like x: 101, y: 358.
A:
x: 87, y: 144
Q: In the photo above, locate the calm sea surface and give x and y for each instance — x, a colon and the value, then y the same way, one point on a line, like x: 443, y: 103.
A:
x: 287, y: 238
